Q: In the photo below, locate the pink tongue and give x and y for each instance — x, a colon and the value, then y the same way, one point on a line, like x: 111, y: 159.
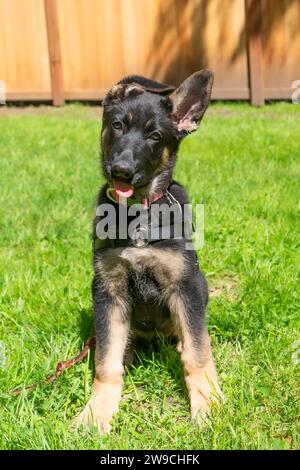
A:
x: 123, y: 189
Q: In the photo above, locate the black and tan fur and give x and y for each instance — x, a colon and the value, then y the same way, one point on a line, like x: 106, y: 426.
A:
x: 137, y: 291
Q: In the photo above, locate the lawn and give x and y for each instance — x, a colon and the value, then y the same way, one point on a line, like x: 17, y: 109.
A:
x: 243, y: 164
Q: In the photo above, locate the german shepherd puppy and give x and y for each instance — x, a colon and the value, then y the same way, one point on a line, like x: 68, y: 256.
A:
x: 157, y: 286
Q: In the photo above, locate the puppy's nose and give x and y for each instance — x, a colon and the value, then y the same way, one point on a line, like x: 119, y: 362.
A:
x: 122, y: 170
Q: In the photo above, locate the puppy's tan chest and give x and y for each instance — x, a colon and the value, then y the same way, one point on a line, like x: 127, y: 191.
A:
x: 163, y: 263
x: 116, y: 265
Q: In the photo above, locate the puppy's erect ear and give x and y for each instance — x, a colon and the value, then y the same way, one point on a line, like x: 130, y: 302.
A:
x: 191, y: 99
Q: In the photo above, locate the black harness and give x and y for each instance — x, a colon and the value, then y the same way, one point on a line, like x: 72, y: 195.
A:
x: 153, y: 231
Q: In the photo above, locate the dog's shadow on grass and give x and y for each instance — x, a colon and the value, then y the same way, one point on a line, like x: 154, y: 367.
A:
x: 160, y: 349
x: 86, y: 324
x: 159, y: 353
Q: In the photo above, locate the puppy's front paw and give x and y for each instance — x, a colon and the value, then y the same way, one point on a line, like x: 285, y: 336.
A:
x: 202, y: 401
x: 89, y: 420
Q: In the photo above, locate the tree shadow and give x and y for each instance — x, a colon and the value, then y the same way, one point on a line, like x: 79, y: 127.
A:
x: 185, y: 31
x: 178, y: 45
x: 272, y: 14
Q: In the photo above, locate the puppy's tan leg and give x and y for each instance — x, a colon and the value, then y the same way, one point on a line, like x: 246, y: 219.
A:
x: 108, y: 381
x: 199, y: 369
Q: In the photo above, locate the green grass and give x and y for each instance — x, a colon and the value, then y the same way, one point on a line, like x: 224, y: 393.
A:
x: 243, y: 165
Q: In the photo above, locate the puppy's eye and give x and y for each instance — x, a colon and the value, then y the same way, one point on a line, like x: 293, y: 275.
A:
x: 155, y: 136
x: 117, y: 125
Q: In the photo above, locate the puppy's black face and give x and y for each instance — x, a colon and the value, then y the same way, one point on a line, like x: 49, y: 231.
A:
x: 139, y: 141
x: 142, y: 128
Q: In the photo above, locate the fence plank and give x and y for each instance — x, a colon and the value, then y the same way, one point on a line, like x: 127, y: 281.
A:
x: 255, y: 51
x: 24, y: 64
x: 54, y: 52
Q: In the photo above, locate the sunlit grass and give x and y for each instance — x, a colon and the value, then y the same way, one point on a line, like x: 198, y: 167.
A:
x: 243, y: 165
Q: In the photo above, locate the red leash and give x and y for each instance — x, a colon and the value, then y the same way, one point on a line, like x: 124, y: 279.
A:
x: 61, y: 366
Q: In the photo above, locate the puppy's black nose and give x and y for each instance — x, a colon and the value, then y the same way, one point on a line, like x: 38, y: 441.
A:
x: 122, y: 170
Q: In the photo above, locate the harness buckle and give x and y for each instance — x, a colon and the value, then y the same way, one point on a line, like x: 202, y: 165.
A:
x: 139, y: 237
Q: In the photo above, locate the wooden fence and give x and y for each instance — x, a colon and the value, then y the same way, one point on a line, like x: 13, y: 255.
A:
x: 76, y: 49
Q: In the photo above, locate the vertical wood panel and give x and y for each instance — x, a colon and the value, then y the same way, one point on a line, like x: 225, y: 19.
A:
x: 92, y: 44
x: 281, y: 45
x: 255, y: 51
x: 54, y: 52
x: 224, y: 46
x: 24, y: 62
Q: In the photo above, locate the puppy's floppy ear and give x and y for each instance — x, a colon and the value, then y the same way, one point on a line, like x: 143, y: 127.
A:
x: 148, y: 85
x: 120, y: 91
x: 191, y: 99
x: 134, y: 85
